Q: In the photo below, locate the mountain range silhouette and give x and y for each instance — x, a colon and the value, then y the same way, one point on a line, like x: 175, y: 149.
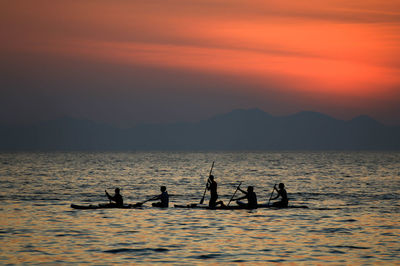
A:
x: 251, y: 129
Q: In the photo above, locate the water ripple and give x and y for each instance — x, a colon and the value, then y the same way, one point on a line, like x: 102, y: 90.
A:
x: 353, y: 218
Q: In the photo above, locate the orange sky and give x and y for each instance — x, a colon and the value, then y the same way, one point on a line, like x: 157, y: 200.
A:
x: 338, y: 57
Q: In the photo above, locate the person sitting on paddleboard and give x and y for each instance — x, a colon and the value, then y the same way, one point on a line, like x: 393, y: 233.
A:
x: 251, y: 197
x: 117, y: 198
x: 163, y: 197
x: 283, y: 203
x: 212, y: 187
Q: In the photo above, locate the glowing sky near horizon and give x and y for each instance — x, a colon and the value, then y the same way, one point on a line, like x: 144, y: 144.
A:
x: 159, y: 61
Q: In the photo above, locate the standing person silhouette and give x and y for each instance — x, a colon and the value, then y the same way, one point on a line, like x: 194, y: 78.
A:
x: 117, y: 198
x: 283, y: 203
x: 212, y: 186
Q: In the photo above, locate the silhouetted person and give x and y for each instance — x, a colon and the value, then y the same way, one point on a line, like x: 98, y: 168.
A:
x: 251, y: 197
x: 117, y: 198
x: 212, y: 187
x: 283, y: 203
x: 163, y: 197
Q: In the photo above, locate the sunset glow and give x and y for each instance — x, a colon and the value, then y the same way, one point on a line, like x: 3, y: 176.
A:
x: 333, y: 49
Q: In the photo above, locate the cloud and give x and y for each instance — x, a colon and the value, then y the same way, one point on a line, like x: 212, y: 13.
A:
x: 96, y: 57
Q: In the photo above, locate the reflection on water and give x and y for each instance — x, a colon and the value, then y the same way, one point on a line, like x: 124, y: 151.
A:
x: 353, y: 216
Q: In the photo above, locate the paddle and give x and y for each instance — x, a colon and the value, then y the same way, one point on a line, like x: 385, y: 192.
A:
x: 143, y: 202
x: 108, y: 196
x: 271, y: 194
x: 204, y: 194
x: 234, y: 193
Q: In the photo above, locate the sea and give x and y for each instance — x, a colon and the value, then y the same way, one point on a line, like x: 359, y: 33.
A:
x: 353, y: 216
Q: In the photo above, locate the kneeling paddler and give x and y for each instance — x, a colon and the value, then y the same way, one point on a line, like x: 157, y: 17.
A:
x: 283, y: 203
x: 251, y: 197
x: 117, y: 198
x: 163, y: 197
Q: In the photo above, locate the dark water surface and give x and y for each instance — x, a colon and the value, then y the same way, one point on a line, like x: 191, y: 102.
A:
x: 354, y: 215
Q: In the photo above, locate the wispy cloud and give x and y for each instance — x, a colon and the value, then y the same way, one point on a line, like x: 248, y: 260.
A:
x: 335, y: 47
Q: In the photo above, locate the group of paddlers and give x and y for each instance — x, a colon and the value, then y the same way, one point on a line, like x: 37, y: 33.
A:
x: 118, y: 201
x: 250, y: 195
x: 212, y: 186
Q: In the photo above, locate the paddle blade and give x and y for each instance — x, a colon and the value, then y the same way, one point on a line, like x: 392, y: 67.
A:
x: 202, y: 200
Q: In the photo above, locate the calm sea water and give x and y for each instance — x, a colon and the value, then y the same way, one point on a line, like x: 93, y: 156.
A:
x: 354, y: 214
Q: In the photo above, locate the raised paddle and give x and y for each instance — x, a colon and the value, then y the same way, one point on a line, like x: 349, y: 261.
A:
x: 234, y: 193
x: 205, y: 189
x: 270, y: 197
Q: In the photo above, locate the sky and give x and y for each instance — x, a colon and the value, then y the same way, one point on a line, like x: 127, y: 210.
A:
x: 125, y: 62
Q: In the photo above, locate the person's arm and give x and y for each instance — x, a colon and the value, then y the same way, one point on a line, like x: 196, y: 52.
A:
x: 208, y: 185
x: 108, y: 195
x: 277, y: 196
x: 155, y: 198
x: 245, y: 192
x: 240, y: 198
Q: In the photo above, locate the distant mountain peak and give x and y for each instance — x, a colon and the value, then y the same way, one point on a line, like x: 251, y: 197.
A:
x: 311, y: 115
x: 240, y: 129
x: 365, y: 119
